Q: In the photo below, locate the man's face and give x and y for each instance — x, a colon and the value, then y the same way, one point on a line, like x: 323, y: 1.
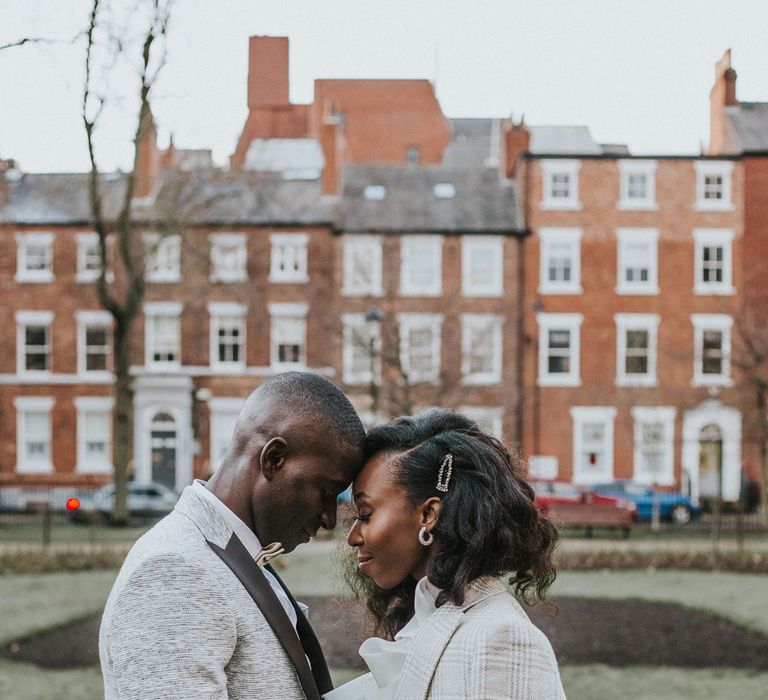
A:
x: 300, y: 498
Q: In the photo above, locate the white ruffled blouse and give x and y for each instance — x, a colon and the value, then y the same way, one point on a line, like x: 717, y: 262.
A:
x: 386, y: 659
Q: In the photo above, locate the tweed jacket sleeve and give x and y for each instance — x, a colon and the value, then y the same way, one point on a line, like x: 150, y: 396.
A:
x: 176, y: 631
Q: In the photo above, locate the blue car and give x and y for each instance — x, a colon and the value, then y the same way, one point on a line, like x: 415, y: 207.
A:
x: 674, y: 507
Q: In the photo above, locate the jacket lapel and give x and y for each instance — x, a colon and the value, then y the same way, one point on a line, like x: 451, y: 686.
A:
x: 309, y: 642
x: 430, y: 641
x: 236, y: 557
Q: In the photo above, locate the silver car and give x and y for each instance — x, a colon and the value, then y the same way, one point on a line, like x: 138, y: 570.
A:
x: 144, y: 500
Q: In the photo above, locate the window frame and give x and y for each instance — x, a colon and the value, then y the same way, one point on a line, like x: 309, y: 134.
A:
x: 548, y: 237
x: 434, y: 288
x: 24, y: 320
x: 281, y: 311
x: 558, y: 321
x: 372, y: 247
x: 278, y: 243
x: 722, y: 323
x: 152, y: 311
x: 157, y: 246
x: 357, y: 323
x: 636, y: 322
x: 580, y: 415
x: 93, y: 319
x: 624, y: 238
x: 643, y: 415
x: 714, y: 168
x: 470, y: 245
x: 220, y: 407
x: 628, y: 168
x: 707, y: 238
x: 239, y: 273
x: 411, y: 321
x: 99, y: 405
x: 23, y: 241
x: 560, y: 166
x: 219, y: 311
x: 473, y: 322
x: 25, y: 405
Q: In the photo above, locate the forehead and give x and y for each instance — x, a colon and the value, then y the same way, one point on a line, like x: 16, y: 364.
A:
x: 376, y: 474
x: 336, y: 461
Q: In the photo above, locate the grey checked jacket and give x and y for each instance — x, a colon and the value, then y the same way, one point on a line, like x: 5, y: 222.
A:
x: 486, y: 649
x: 181, y: 623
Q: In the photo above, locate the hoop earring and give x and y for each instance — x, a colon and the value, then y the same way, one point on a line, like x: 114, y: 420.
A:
x: 426, y: 538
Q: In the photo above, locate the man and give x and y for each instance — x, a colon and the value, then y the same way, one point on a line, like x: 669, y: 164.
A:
x: 193, y: 613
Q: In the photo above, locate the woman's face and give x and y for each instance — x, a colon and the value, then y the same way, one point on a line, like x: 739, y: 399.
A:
x: 387, y: 526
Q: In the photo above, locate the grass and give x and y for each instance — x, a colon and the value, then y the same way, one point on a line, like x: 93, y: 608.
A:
x: 741, y: 598
x: 63, y: 532
x: 32, y: 603
x: 594, y: 682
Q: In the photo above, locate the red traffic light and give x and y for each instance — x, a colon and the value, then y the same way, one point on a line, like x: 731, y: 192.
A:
x: 73, y: 503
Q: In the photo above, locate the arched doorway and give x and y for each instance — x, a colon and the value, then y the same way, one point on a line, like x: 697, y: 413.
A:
x: 163, y: 446
x: 711, y: 463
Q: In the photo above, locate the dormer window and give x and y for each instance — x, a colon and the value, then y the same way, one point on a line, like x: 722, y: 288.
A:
x: 375, y: 193
x: 444, y: 190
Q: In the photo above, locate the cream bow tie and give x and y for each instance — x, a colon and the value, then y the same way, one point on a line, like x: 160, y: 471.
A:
x: 268, y: 553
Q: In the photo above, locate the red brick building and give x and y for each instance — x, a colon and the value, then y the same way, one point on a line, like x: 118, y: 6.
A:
x: 571, y: 296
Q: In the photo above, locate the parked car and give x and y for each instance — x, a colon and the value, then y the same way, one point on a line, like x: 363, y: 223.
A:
x: 563, y: 493
x: 144, y: 500
x: 673, y: 506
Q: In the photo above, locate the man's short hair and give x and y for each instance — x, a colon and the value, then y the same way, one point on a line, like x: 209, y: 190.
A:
x: 316, y: 399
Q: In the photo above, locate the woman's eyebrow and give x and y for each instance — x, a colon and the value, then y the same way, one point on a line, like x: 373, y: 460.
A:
x: 360, y: 494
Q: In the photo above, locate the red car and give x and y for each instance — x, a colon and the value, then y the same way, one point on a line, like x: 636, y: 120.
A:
x: 563, y: 493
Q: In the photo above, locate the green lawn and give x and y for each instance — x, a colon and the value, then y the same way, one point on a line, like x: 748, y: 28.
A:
x: 25, y: 682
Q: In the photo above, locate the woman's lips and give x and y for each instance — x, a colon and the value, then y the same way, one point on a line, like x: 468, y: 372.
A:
x: 363, y: 562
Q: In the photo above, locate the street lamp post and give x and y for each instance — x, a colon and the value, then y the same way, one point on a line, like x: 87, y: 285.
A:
x: 373, y: 317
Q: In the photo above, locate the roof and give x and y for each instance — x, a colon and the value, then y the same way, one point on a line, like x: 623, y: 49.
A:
x: 482, y: 202
x: 201, y: 197
x: 749, y: 121
x: 471, y: 145
x: 562, y: 140
x: 285, y: 156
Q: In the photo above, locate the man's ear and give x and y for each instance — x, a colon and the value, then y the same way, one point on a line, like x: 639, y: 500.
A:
x: 430, y: 512
x: 272, y: 457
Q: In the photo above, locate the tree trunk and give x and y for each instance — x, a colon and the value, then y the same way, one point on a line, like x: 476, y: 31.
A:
x: 122, y: 420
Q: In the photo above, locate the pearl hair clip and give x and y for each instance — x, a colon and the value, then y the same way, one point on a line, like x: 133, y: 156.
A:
x: 444, y: 475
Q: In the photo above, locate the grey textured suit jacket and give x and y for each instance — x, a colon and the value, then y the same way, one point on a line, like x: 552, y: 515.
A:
x: 182, y: 620
x: 486, y: 649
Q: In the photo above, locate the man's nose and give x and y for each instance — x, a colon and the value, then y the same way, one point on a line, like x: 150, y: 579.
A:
x: 328, y: 517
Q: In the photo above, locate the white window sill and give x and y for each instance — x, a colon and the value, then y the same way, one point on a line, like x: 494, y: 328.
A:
x: 27, y: 277
x: 713, y: 290
x: 637, y: 291
x: 374, y: 292
x: 163, y: 366
x: 636, y: 381
x: 561, y: 381
x: 479, y: 379
x: 278, y: 367
x: 228, y: 368
x: 637, y: 206
x: 34, y: 468
x: 560, y: 206
x: 35, y: 376
x: 560, y: 289
x: 297, y: 279
x: 713, y: 380
x: 96, y: 376
x: 420, y: 293
x: 487, y: 293
x: 91, y: 276
x: 163, y: 279
x: 714, y: 206
x: 99, y: 468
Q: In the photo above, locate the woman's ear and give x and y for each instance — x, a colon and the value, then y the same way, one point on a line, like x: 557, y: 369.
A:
x: 272, y: 457
x: 430, y: 512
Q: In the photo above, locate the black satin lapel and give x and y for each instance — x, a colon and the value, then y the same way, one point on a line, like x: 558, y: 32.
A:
x: 309, y: 641
x: 236, y: 557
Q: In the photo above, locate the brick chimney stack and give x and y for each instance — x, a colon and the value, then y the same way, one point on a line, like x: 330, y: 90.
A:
x: 517, y: 140
x: 722, y: 95
x: 148, y: 161
x: 267, y: 71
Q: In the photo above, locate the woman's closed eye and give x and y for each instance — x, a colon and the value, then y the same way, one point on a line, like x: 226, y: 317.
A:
x: 363, y: 517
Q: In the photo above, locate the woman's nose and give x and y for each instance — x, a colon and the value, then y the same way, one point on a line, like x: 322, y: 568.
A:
x: 355, y: 538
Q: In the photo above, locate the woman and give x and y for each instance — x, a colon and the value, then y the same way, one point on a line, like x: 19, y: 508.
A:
x: 443, y: 512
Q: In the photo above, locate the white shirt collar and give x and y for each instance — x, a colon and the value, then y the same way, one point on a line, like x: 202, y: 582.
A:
x: 244, y: 533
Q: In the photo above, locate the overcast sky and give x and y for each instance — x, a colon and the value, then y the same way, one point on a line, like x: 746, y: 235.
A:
x: 634, y: 72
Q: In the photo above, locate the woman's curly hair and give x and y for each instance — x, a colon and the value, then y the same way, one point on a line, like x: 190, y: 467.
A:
x: 488, y: 526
